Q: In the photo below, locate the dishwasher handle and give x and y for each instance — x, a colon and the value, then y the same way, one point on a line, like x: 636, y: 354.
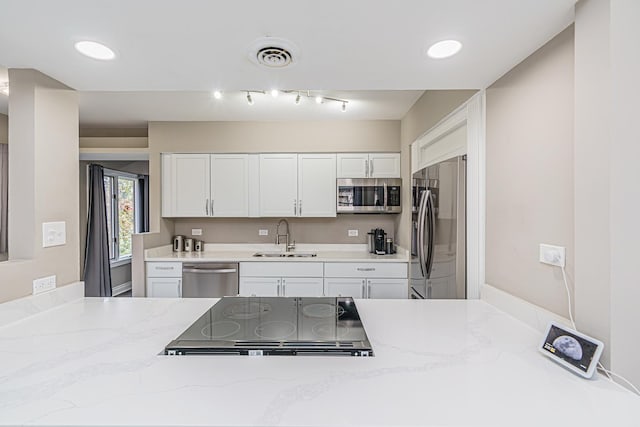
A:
x: 210, y: 270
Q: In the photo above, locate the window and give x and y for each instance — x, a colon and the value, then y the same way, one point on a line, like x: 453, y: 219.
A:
x: 120, y: 189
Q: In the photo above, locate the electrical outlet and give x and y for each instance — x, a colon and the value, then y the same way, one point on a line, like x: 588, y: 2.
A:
x: 553, y: 255
x: 352, y: 233
x: 196, y: 231
x: 263, y: 232
x: 44, y: 284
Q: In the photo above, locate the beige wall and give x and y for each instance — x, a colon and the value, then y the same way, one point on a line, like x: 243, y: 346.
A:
x: 43, y: 116
x: 259, y: 137
x: 4, y: 129
x: 302, y: 230
x: 607, y: 177
x: 428, y: 110
x: 529, y: 174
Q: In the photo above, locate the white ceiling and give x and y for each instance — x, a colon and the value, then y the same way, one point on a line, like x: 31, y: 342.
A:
x: 361, y: 50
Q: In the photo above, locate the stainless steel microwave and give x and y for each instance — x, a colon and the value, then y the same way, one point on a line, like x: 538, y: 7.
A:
x: 368, y: 195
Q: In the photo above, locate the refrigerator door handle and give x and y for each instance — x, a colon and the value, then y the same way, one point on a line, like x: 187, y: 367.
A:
x: 432, y: 227
x: 421, y: 215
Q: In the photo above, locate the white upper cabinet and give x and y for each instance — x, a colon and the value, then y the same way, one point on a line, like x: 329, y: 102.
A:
x: 278, y: 185
x: 229, y: 185
x: 297, y: 185
x: 191, y: 185
x: 205, y: 185
x: 368, y: 165
x: 317, y: 185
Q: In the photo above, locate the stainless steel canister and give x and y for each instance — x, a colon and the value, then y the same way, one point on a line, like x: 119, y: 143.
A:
x: 198, y: 246
x: 188, y: 244
x: 178, y: 243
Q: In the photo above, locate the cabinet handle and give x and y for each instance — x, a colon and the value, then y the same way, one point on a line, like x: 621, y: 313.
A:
x: 295, y: 206
x: 164, y: 268
x: 368, y: 289
x: 300, y: 208
x: 364, y: 289
x: 371, y: 168
x: 366, y: 168
x: 211, y: 207
x: 284, y: 287
x: 180, y: 288
x: 366, y: 269
x: 206, y: 206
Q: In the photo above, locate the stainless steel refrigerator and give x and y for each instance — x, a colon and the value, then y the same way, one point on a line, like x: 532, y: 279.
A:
x: 438, y: 241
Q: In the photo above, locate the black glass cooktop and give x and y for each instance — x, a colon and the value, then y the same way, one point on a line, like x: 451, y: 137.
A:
x: 289, y: 326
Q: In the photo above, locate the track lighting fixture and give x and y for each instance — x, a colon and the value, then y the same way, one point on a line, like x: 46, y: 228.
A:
x: 320, y: 99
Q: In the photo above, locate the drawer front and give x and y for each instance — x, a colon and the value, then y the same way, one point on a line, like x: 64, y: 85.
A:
x: 281, y: 269
x: 164, y: 269
x: 366, y: 269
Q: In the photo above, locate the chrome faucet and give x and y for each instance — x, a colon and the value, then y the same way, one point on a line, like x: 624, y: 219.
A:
x: 289, y: 247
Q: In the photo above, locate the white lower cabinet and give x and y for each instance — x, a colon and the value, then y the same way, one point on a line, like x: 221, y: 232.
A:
x: 366, y: 280
x: 344, y: 287
x: 271, y: 279
x: 161, y: 287
x: 164, y: 279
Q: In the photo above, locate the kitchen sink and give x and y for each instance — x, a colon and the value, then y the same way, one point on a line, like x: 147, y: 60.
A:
x: 285, y: 254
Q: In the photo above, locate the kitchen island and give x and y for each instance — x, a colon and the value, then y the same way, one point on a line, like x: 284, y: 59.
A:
x: 98, y: 361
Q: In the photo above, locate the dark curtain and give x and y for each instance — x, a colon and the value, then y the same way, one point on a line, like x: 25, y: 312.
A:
x: 142, y: 204
x: 97, y: 270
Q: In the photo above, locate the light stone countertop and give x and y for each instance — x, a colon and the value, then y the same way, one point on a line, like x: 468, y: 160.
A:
x: 244, y: 253
x: 95, y: 361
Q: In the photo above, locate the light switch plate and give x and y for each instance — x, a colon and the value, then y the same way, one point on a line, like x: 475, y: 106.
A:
x: 263, y: 232
x: 196, y: 231
x: 553, y: 255
x: 44, y: 284
x: 353, y: 233
x: 54, y: 234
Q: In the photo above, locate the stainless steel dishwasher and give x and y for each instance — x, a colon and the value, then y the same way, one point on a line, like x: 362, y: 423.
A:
x: 209, y: 280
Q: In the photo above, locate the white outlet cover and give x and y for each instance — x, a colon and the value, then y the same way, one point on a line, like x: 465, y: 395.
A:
x: 552, y: 255
x: 263, y: 232
x: 352, y: 233
x: 196, y: 231
x: 44, y: 284
x: 54, y: 234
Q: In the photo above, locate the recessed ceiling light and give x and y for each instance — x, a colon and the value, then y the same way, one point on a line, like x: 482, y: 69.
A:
x: 444, y: 49
x: 95, y: 50
x: 319, y: 99
x: 274, y: 93
x: 217, y: 94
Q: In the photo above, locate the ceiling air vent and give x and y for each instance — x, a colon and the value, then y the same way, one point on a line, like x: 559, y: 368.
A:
x: 272, y: 52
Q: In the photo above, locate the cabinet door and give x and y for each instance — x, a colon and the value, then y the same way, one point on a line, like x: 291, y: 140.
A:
x: 190, y: 185
x: 384, y: 165
x: 302, y: 286
x: 278, y: 185
x: 229, y: 185
x: 159, y: 287
x: 317, y: 185
x: 336, y: 287
x: 388, y: 288
x: 259, y: 287
x: 352, y: 165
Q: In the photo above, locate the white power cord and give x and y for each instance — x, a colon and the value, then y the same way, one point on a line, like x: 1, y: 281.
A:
x: 607, y: 372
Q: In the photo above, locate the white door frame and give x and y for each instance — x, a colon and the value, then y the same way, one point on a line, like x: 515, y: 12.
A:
x: 471, y: 113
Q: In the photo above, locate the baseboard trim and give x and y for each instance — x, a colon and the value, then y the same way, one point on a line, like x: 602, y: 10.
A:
x: 535, y: 316
x: 122, y: 288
